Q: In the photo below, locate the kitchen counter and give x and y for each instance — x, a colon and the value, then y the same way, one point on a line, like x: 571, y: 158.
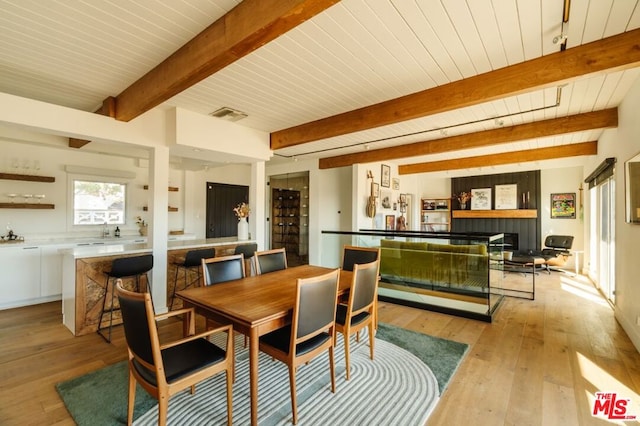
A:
x: 84, y: 277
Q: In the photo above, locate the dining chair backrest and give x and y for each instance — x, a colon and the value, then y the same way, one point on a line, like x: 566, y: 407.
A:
x: 140, y: 332
x: 270, y: 260
x: 224, y: 268
x: 316, y: 302
x: 352, y: 255
x: 364, y: 286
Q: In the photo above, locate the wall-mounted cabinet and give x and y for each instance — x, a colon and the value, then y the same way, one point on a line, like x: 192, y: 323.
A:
x: 435, y: 215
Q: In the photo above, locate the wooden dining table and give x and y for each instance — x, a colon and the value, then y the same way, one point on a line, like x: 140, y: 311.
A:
x: 255, y: 306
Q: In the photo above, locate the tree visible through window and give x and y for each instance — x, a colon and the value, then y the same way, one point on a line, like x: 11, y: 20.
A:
x: 97, y: 203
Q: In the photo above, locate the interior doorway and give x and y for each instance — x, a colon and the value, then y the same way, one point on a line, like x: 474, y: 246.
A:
x: 221, y: 199
x: 289, y: 221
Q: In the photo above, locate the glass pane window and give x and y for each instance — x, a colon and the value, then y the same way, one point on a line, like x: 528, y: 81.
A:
x: 97, y: 203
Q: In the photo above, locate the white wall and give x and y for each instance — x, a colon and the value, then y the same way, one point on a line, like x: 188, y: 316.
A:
x: 567, y: 179
x: 623, y: 143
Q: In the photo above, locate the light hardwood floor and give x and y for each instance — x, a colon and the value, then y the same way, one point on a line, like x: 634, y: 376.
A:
x: 538, y: 363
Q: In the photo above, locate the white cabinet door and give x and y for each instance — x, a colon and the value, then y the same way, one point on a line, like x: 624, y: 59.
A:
x: 20, y: 283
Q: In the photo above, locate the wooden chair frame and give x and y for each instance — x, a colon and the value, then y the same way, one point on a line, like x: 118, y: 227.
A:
x: 347, y: 329
x: 258, y: 254
x: 162, y: 390
x: 208, y: 261
x: 291, y: 358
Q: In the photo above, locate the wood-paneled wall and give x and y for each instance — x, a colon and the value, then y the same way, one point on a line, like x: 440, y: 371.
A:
x: 528, y: 230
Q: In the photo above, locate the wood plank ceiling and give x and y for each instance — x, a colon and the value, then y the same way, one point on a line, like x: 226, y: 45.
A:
x: 347, y: 57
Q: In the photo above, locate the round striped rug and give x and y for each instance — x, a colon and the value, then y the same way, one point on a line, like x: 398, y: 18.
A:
x: 396, y: 388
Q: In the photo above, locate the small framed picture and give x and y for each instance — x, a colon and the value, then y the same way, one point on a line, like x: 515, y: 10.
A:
x: 389, y: 222
x: 563, y: 205
x: 481, y: 199
x: 386, y: 199
x: 385, y: 180
x: 395, y: 184
x: 375, y: 189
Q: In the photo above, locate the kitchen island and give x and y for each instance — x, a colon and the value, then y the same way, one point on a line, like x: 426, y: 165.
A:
x: 84, y: 279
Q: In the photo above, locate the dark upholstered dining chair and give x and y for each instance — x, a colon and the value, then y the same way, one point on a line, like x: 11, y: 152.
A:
x: 223, y: 268
x: 359, y: 311
x: 352, y: 255
x: 163, y: 370
x: 311, y: 332
x: 270, y: 260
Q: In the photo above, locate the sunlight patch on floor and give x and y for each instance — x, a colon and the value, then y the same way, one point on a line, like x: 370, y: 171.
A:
x: 582, y: 288
x: 601, y: 381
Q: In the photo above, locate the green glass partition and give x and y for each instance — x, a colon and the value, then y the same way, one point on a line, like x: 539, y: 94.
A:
x: 456, y: 273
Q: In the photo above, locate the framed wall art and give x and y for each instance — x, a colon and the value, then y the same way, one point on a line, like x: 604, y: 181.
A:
x: 386, y: 199
x: 563, y: 205
x: 389, y: 222
x: 481, y: 199
x: 396, y: 184
x: 506, y: 197
x: 385, y: 180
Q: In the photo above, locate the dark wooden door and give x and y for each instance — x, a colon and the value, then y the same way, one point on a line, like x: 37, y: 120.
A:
x: 221, y: 200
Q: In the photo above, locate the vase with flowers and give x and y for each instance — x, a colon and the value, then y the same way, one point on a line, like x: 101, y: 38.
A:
x: 142, y: 226
x: 463, y: 198
x: 242, y: 211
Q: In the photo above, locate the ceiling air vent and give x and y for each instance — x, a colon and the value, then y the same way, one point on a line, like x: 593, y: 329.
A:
x: 228, y: 114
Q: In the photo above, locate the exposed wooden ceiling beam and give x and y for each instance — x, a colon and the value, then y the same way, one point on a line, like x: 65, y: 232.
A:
x: 570, y: 150
x: 612, y: 53
x: 244, y: 29
x: 77, y: 143
x: 603, y: 119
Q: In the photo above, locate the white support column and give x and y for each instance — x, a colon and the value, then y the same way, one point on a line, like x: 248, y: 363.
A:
x: 159, y: 223
x: 257, y: 191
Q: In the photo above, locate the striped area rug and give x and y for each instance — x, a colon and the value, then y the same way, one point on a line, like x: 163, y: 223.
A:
x: 394, y: 389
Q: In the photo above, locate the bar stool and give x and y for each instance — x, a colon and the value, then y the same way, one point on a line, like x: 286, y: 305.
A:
x: 192, y: 261
x: 248, y: 250
x: 125, y: 267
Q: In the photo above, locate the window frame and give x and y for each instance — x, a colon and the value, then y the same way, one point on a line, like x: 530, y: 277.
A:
x: 72, y: 179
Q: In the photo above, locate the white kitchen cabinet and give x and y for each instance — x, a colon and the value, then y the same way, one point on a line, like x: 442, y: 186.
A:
x: 20, y: 282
